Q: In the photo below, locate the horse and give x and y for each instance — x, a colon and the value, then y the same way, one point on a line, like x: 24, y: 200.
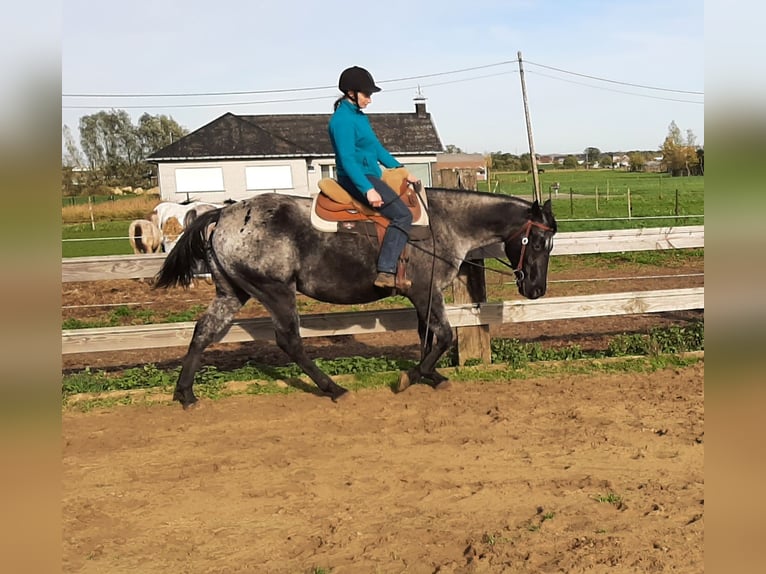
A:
x: 265, y: 248
x: 172, y: 218
x: 144, y: 236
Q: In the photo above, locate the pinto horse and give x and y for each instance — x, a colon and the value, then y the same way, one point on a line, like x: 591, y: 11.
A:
x: 266, y: 248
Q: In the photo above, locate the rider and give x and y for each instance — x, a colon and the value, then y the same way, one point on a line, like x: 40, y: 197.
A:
x: 358, y: 154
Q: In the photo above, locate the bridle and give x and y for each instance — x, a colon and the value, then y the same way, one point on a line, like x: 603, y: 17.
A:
x: 525, y: 230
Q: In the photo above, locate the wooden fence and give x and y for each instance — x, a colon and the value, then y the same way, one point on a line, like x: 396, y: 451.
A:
x: 474, y: 314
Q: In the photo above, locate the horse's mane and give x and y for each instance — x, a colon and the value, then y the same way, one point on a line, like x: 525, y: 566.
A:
x: 484, y: 194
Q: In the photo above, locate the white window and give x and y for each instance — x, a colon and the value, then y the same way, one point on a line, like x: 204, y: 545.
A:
x: 199, y: 179
x: 421, y: 171
x: 328, y: 170
x: 268, y: 177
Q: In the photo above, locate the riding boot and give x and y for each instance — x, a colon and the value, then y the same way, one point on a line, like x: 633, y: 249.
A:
x: 388, y: 281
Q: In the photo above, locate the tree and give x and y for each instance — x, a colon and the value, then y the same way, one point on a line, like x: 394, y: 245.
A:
x: 637, y: 161
x: 505, y: 161
x: 72, y: 157
x: 449, y: 148
x: 116, y: 150
x: 605, y: 160
x: 591, y: 156
x: 570, y: 162
x: 679, y: 155
x: 525, y: 162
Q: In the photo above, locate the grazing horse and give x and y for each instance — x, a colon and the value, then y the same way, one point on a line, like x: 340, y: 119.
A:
x: 266, y: 248
x: 144, y: 236
x: 172, y: 218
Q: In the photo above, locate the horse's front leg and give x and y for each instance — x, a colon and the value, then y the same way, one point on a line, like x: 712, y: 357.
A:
x: 438, y: 328
x: 426, y: 336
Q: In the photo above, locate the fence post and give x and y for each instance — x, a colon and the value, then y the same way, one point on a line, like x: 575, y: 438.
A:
x: 470, y: 287
x: 675, y: 209
x: 630, y: 215
x: 90, y: 209
x: 596, y: 199
x: 571, y: 202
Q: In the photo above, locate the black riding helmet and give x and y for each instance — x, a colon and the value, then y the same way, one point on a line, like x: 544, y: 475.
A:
x: 356, y: 79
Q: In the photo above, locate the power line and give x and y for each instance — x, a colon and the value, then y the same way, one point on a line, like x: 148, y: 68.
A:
x: 292, y: 100
x: 616, y: 91
x: 280, y: 91
x: 392, y: 80
x: 614, y: 81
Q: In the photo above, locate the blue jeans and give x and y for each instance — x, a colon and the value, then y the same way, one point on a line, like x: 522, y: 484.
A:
x: 392, y: 209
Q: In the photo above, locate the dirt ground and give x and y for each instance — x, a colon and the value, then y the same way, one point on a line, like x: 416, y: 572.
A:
x: 578, y: 474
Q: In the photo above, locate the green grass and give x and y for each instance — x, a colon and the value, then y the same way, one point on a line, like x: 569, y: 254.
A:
x: 511, y: 358
x: 126, y: 315
x: 93, y: 248
x: 651, y: 195
x: 609, y: 498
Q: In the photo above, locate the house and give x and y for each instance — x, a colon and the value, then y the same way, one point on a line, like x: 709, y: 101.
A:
x: 463, y: 161
x: 237, y: 156
x: 620, y: 160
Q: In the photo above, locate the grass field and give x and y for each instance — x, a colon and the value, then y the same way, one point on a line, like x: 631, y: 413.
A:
x: 598, y: 195
x: 603, y: 194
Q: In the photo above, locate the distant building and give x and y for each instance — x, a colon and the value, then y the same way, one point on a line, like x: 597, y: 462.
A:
x: 459, y: 161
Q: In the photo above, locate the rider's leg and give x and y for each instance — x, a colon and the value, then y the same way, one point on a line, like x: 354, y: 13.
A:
x: 396, y: 235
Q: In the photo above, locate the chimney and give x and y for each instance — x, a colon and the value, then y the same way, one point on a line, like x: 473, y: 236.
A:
x: 420, y: 105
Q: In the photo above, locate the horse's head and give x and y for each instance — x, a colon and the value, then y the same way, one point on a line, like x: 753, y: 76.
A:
x: 528, y: 248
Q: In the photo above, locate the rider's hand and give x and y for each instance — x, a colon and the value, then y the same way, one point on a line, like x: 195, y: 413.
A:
x: 373, y: 197
x: 414, y: 181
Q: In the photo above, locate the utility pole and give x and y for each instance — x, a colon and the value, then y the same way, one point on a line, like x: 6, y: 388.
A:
x: 533, y: 157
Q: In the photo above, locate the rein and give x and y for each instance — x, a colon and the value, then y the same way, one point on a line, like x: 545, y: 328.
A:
x: 525, y: 229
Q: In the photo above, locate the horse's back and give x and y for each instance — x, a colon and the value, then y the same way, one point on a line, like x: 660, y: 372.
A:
x: 269, y: 226
x: 269, y: 238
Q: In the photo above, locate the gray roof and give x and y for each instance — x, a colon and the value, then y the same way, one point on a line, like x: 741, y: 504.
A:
x: 296, y: 135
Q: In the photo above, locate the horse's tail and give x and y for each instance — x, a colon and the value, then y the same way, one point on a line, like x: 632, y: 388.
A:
x: 182, y: 262
x: 134, y: 236
x: 138, y: 238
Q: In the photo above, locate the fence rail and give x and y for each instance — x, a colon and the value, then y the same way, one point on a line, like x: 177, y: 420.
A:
x: 474, y: 315
x: 570, y: 243
x: 366, y: 322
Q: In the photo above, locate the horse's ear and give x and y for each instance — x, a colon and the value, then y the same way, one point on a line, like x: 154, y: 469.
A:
x: 535, y: 208
x: 548, y: 207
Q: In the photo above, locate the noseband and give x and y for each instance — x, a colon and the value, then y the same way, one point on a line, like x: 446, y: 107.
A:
x: 525, y: 229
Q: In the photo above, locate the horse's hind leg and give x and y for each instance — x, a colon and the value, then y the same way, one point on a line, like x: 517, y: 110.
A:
x: 208, y: 329
x: 279, y: 300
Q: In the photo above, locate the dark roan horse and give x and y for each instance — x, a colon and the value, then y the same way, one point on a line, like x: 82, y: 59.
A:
x: 266, y: 248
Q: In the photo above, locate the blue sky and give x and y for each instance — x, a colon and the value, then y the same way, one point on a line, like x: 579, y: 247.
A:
x: 193, y: 47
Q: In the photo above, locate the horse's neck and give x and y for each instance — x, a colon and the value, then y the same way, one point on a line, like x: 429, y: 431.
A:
x: 475, y: 219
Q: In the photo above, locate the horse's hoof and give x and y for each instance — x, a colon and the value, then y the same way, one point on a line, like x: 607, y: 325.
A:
x: 189, y: 405
x: 404, y: 382
x: 343, y: 397
x: 443, y: 385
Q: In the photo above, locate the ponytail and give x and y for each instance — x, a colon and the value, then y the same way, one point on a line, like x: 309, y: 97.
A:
x: 343, y: 97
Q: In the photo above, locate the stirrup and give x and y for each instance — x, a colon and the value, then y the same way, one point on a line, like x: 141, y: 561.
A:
x: 388, y: 281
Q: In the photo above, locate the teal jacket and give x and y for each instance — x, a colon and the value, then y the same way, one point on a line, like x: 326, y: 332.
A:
x: 358, y: 152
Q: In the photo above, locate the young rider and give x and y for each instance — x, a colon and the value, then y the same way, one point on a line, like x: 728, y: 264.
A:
x: 358, y: 155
